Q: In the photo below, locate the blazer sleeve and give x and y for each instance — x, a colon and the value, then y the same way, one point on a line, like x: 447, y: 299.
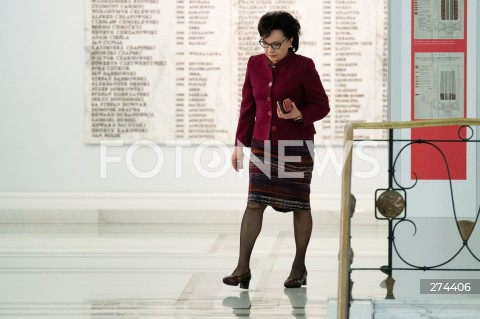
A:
x: 246, y: 120
x: 316, y: 107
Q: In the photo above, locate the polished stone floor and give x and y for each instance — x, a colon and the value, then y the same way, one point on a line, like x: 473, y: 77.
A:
x: 174, y: 270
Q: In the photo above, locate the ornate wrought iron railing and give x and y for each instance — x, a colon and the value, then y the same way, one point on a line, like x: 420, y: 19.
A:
x: 395, y: 206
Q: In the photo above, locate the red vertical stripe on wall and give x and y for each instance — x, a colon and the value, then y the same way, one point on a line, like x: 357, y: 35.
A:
x: 426, y: 161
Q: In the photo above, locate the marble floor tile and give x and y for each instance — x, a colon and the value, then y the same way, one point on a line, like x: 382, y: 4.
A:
x: 173, y: 270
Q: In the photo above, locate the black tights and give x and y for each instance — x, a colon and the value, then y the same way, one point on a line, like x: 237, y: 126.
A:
x: 302, y: 225
x: 251, y: 227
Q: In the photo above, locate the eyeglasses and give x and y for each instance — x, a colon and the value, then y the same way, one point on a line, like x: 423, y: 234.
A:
x: 274, y: 45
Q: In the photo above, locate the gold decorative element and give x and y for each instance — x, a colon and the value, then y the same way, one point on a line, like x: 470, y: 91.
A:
x: 390, y: 282
x: 390, y: 203
x: 466, y: 228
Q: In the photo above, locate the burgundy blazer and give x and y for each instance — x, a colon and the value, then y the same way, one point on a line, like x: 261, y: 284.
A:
x: 293, y: 77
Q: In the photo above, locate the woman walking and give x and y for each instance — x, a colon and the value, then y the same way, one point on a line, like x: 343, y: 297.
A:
x: 282, y: 97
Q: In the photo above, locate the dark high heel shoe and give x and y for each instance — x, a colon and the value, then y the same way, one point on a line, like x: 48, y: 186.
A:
x: 243, y: 280
x: 296, y: 283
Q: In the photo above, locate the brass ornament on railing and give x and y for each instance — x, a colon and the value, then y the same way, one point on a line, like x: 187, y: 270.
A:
x: 466, y: 228
x: 390, y: 203
x: 390, y: 282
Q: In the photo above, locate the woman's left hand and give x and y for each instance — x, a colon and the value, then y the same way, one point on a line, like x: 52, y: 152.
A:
x: 293, y: 114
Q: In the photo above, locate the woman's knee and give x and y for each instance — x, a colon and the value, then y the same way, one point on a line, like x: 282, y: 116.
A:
x: 256, y: 206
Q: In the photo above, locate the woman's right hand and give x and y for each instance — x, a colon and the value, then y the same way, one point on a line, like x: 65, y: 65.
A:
x: 237, y: 158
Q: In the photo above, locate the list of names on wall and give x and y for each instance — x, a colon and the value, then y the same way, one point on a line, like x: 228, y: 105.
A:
x: 167, y: 70
x: 121, y: 58
x: 353, y: 64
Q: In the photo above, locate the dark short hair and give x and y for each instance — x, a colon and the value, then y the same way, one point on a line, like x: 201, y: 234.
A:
x: 280, y: 20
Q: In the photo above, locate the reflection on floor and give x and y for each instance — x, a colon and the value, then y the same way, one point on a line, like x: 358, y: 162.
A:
x: 174, y: 270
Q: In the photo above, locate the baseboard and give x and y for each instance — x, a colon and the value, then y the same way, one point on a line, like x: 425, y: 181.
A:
x: 98, y: 207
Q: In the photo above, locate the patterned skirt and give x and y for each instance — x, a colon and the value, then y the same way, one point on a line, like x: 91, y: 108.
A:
x: 281, y: 178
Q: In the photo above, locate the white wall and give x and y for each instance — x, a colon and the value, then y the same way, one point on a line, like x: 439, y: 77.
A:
x: 42, y: 109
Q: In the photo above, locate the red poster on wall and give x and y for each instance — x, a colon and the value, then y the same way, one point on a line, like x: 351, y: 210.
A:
x: 439, y: 82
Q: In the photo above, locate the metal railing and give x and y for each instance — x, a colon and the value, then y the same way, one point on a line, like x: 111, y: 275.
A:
x: 347, y: 199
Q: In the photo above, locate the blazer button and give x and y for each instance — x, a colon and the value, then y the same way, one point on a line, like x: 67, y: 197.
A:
x: 274, y: 128
x: 269, y: 113
x: 269, y: 83
x: 268, y: 98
